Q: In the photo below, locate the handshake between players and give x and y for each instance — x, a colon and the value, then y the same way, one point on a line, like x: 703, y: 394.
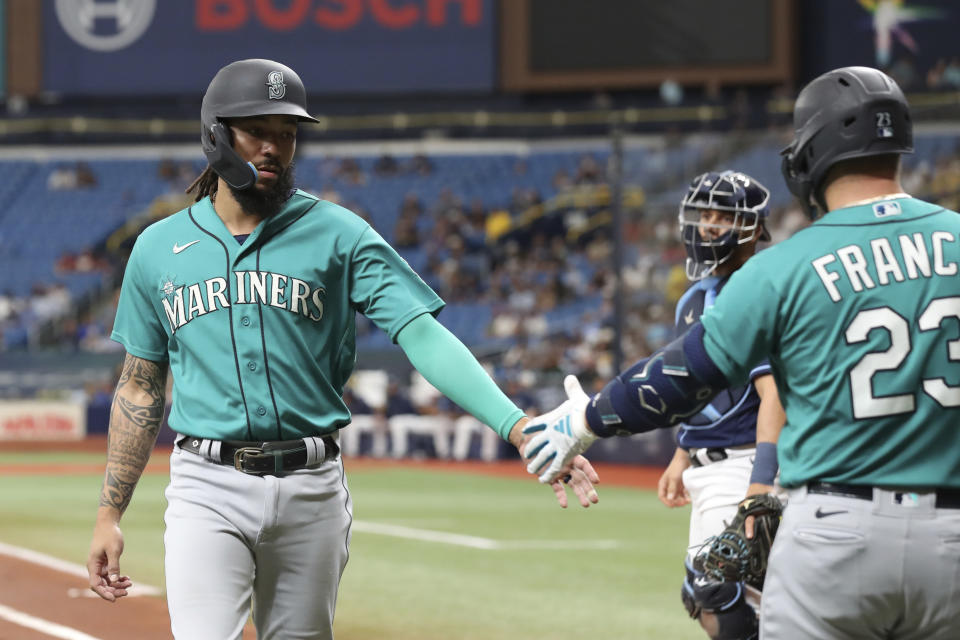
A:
x: 559, y: 436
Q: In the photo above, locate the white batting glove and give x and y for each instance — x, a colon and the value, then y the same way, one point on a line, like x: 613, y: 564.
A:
x: 561, y: 434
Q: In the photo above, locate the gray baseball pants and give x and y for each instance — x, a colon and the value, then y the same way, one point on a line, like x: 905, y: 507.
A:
x: 232, y: 539
x: 846, y: 568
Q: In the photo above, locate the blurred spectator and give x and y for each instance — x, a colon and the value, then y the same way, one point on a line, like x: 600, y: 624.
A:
x: 178, y: 174
x: 934, y: 77
x: 65, y: 178
x: 406, y: 230
x: 350, y: 172
x: 62, y: 178
x: 363, y: 419
x: 398, y: 400
x: 951, y: 74
x: 87, y: 261
x: 405, y: 234
x: 167, y: 170
x: 99, y: 393
x: 10, y: 305
x: 497, y: 224
x: 386, y: 165
x: 421, y: 165
x: 588, y: 171
x: 405, y: 419
x: 904, y: 71
x: 86, y: 178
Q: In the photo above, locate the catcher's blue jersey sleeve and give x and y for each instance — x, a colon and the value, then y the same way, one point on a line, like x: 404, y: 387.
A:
x: 730, y: 419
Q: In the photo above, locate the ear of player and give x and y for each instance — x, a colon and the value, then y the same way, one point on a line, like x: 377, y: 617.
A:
x: 560, y: 435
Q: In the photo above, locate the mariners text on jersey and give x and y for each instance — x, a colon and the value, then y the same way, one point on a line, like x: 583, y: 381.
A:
x: 905, y: 257
x: 183, y: 303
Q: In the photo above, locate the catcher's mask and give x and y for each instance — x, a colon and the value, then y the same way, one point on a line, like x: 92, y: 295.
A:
x: 709, y: 244
x: 853, y: 112
x: 245, y: 88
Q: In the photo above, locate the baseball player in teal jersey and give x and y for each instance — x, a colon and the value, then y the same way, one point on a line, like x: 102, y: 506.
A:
x: 860, y: 317
x: 250, y: 297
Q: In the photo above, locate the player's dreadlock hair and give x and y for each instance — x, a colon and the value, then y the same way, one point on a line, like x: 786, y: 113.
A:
x: 205, y: 184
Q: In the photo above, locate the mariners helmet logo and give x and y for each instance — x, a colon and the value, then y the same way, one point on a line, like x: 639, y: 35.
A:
x: 276, y: 87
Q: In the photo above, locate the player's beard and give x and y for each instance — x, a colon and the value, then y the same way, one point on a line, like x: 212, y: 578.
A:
x: 266, y: 202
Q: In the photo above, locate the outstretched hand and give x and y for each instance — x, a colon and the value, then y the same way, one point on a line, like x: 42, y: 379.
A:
x: 581, y: 477
x: 559, y: 436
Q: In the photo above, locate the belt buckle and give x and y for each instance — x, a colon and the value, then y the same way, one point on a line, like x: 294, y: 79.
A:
x: 238, y: 457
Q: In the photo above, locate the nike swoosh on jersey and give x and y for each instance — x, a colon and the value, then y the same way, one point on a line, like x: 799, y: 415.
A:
x: 177, y: 248
x: 823, y: 514
x: 689, y: 317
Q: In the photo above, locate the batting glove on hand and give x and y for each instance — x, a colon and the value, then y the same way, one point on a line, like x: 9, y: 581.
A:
x: 560, y: 435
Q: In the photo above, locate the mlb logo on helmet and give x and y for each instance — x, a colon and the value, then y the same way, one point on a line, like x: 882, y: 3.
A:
x: 276, y: 87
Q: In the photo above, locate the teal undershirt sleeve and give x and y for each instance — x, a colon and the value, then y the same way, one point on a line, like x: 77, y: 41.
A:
x: 448, y: 365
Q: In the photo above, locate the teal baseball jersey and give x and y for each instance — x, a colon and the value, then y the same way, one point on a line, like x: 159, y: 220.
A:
x: 860, y: 316
x: 260, y: 336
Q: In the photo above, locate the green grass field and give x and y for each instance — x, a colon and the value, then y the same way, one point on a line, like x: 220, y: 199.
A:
x: 538, y: 585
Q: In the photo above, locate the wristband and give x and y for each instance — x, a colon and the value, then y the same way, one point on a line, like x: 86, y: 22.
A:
x: 765, y: 464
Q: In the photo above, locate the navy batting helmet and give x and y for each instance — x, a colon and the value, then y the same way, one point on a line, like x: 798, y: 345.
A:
x: 853, y: 112
x: 254, y: 87
x: 730, y: 191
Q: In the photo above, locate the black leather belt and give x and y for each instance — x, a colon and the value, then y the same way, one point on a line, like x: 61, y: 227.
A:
x: 712, y: 454
x: 946, y: 498
x: 262, y: 458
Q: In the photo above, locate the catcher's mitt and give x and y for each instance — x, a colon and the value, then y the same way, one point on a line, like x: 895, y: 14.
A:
x: 734, y: 557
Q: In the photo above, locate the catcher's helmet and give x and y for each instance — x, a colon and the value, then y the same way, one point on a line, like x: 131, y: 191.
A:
x: 729, y: 191
x: 853, y: 112
x: 246, y: 88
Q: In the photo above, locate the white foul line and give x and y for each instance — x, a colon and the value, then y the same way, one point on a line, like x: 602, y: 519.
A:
x: 42, y: 559
x: 43, y: 626
x: 475, y: 542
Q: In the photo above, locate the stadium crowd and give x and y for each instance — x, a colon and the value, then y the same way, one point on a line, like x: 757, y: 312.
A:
x: 541, y: 263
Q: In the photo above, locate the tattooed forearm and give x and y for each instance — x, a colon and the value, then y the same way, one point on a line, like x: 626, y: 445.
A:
x: 144, y: 416
x: 116, y: 493
x: 134, y: 424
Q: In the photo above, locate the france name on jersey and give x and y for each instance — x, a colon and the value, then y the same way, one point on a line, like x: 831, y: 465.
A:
x: 260, y: 336
x: 860, y: 316
x: 731, y: 417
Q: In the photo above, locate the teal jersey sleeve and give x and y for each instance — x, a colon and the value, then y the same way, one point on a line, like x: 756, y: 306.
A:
x: 142, y: 334
x: 740, y: 327
x: 448, y: 365
x: 384, y: 288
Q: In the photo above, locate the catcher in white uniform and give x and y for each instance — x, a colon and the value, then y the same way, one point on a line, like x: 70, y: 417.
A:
x: 728, y: 450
